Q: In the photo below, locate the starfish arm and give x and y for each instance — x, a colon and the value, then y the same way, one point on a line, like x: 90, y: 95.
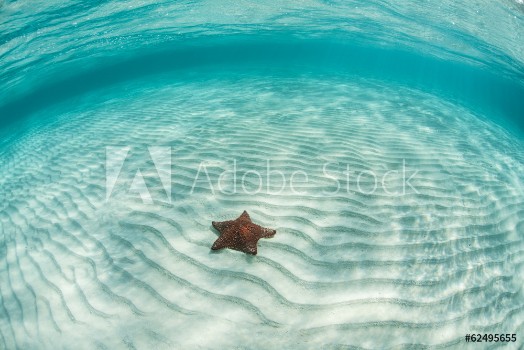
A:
x: 267, y: 232
x: 245, y: 216
x: 221, y: 225
x: 251, y: 248
x: 220, y: 243
x: 262, y: 232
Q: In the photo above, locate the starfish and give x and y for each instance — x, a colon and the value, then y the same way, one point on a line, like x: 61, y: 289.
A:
x: 240, y: 234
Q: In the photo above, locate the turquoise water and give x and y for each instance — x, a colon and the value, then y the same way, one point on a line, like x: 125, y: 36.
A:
x: 382, y: 140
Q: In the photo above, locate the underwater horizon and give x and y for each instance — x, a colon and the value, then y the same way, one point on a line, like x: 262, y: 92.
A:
x: 383, y: 141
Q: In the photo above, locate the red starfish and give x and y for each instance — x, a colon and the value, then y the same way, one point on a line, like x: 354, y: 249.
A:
x: 240, y: 234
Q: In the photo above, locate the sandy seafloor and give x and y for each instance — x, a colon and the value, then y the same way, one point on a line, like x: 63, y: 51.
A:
x: 419, y: 263
x: 397, y: 128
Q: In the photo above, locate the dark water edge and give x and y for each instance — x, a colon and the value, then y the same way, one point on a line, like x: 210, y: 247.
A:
x: 481, y: 89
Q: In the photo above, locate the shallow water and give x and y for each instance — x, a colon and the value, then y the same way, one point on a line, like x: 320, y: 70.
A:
x: 383, y: 142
